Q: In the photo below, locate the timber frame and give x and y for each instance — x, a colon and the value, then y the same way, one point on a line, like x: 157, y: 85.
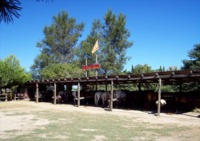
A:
x: 167, y: 77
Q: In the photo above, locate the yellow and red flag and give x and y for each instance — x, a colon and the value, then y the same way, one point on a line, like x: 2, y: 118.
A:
x: 96, y: 47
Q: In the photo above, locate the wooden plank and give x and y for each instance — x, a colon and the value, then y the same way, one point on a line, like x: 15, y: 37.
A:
x: 3, y: 97
x: 79, y: 89
x: 111, y: 99
x: 115, y: 99
x: 54, y: 100
x: 86, y: 97
x: 159, y: 97
x: 37, y: 92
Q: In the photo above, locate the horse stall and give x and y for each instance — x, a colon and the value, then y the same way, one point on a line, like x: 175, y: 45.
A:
x: 134, y: 99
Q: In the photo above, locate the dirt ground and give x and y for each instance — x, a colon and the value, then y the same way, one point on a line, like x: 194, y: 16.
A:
x: 12, y: 119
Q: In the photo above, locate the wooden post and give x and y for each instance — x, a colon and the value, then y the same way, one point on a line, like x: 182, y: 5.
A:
x: 86, y: 72
x: 78, y: 103
x: 96, y: 87
x: 111, y: 96
x: 54, y: 100
x: 139, y: 87
x: 37, y: 92
x: 96, y: 63
x: 159, y: 96
x: 180, y: 88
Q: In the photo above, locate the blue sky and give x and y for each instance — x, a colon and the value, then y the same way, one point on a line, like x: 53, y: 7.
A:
x: 163, y: 31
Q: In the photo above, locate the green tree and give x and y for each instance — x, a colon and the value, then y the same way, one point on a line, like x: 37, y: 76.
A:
x: 61, y: 38
x: 85, y: 48
x: 194, y: 62
x: 11, y: 73
x: 40, y: 63
x: 142, y: 69
x: 65, y: 70
x: 59, y: 43
x: 115, y: 37
x: 160, y: 69
x: 113, y: 43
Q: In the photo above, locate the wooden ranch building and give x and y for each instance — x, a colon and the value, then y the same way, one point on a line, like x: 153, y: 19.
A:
x: 160, y: 78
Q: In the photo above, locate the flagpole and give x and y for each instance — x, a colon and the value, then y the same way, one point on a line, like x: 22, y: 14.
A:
x: 86, y: 65
x: 96, y: 63
x: 95, y: 48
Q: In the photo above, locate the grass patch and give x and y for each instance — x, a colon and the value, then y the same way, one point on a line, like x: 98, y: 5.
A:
x: 76, y: 126
x: 82, y: 126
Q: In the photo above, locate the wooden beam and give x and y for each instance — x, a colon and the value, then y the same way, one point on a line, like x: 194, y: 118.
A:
x: 159, y: 96
x: 54, y: 100
x: 79, y: 89
x: 86, y: 97
x: 111, y: 97
x: 37, y: 92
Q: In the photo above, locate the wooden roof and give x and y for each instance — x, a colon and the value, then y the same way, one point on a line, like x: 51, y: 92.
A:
x: 167, y: 77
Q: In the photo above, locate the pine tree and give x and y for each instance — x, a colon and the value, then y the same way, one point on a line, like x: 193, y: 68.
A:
x: 58, y: 44
x: 113, y: 43
x: 194, y: 62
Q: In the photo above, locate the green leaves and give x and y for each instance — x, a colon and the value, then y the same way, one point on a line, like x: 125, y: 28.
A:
x: 194, y: 55
x: 58, y: 49
x: 65, y: 70
x: 113, y: 43
x: 58, y: 45
x: 61, y: 37
x: 11, y: 74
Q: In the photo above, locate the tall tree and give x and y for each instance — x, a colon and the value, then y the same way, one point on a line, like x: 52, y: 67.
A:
x: 112, y: 35
x: 59, y: 42
x: 115, y: 44
x: 194, y: 62
x: 61, y: 37
x: 85, y: 48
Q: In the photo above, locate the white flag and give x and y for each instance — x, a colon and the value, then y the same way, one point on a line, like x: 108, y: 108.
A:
x: 96, y: 47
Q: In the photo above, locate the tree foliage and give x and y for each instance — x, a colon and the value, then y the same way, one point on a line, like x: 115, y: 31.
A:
x: 9, y: 9
x: 11, y: 74
x: 61, y: 38
x: 113, y: 43
x: 115, y: 37
x: 141, y: 69
x: 65, y: 70
x: 85, y: 48
x: 59, y: 43
x: 194, y: 62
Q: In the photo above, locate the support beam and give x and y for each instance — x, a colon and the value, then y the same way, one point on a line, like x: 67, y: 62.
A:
x: 96, y: 87
x: 139, y: 87
x: 111, y: 96
x: 79, y: 89
x: 37, y: 93
x: 159, y: 96
x: 54, y: 100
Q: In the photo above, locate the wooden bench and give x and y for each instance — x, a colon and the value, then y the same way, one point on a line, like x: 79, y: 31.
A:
x: 19, y: 96
x: 3, y: 97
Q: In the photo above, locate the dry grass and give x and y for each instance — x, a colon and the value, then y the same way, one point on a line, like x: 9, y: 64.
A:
x: 28, y: 121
